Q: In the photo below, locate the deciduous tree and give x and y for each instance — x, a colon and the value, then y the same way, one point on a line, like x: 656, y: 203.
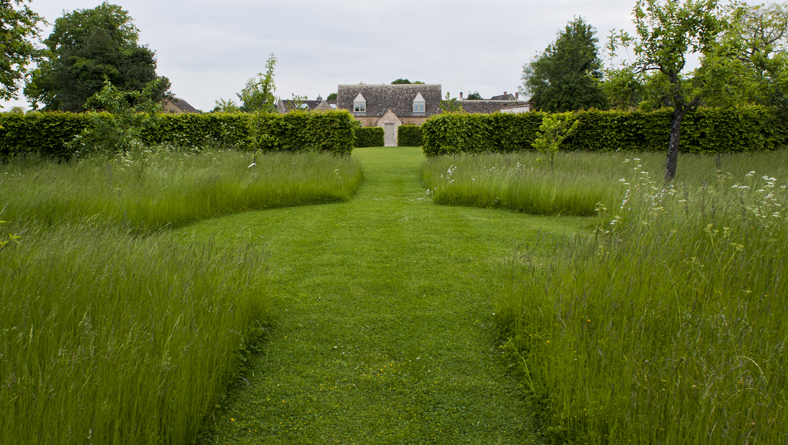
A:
x: 667, y: 33
x: 18, y: 29
x: 565, y: 77
x: 87, y: 47
x: 258, y: 94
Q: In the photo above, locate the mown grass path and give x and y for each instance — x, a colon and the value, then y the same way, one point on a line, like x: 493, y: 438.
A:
x: 383, y: 330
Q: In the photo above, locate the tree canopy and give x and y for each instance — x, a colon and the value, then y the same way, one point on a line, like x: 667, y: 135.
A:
x: 18, y: 28
x: 406, y: 82
x: 565, y: 77
x: 86, y: 48
x: 258, y: 94
x: 474, y: 96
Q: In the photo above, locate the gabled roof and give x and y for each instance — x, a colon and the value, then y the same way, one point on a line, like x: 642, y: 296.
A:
x: 397, y: 98
x: 504, y: 96
x: 180, y: 104
x: 285, y: 105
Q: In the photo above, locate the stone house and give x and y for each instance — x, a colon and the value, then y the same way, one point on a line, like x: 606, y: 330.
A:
x: 389, y: 106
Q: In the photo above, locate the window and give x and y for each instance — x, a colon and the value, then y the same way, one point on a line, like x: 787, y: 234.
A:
x: 359, y: 104
x: 418, y: 104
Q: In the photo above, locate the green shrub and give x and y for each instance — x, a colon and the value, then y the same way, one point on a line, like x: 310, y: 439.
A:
x: 369, y: 137
x: 41, y: 133
x: 708, y: 130
x: 46, y: 134
x: 409, y: 136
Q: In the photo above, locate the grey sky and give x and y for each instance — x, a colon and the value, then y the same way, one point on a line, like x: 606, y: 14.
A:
x: 209, y: 49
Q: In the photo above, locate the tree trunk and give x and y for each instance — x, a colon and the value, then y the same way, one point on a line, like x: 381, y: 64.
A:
x: 673, y: 144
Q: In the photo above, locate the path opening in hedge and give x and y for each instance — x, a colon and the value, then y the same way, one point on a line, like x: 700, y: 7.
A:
x: 384, y: 330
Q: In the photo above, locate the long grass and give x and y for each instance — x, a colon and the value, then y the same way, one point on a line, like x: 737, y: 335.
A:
x: 107, y: 338
x: 112, y: 330
x: 668, y: 324
x: 575, y: 185
x: 164, y: 187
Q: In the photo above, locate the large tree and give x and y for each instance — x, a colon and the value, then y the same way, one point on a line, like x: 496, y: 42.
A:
x: 18, y: 28
x: 565, y: 77
x: 87, y: 47
x: 667, y: 33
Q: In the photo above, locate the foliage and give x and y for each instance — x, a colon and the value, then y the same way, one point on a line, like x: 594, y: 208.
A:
x: 332, y: 96
x: 258, y: 94
x: 565, y: 77
x: 747, y: 62
x: 18, y: 27
x: 554, y: 129
x: 130, y: 113
x: 474, y: 96
x: 370, y: 137
x: 707, y: 130
x: 450, y: 104
x: 46, y: 134
x: 406, y: 82
x: 668, y: 32
x: 87, y: 47
x: 225, y: 106
x: 409, y: 136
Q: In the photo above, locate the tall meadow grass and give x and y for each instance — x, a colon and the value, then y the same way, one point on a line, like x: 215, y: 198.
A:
x: 108, y: 338
x: 161, y: 187
x: 525, y: 182
x: 113, y: 331
x: 668, y: 324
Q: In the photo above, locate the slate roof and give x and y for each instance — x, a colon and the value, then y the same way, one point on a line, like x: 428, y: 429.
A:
x: 486, y: 106
x: 504, y: 96
x: 397, y: 98
x: 289, y: 105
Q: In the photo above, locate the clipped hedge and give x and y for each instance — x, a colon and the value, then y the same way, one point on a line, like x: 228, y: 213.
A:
x: 409, y: 136
x: 708, y: 130
x: 46, y: 134
x: 369, y: 137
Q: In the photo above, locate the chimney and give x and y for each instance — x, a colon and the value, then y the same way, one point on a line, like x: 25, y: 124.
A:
x: 460, y: 95
x: 517, y: 96
x: 504, y: 93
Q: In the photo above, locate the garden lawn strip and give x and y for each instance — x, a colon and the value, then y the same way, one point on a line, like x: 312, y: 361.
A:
x: 383, y: 328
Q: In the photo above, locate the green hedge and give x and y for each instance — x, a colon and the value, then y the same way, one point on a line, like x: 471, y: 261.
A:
x: 46, y: 134
x: 369, y: 137
x: 409, y: 136
x: 708, y: 130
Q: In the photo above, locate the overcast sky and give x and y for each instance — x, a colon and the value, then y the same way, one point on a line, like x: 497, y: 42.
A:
x: 208, y: 49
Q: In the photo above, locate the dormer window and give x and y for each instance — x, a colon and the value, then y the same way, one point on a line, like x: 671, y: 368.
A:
x: 360, y: 104
x: 419, y: 104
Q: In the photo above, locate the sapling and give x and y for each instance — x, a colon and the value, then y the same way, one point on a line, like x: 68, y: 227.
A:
x: 553, y: 131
